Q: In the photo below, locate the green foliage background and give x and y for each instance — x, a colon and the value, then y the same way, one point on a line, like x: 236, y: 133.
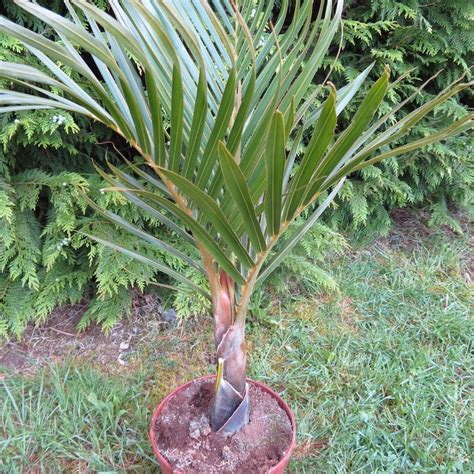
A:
x: 46, y: 162
x: 424, y: 37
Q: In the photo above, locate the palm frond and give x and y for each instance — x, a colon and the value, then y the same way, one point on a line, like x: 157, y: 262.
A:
x: 234, y: 88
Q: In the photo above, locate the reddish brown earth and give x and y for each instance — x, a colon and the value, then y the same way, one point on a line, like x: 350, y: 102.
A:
x: 185, y: 439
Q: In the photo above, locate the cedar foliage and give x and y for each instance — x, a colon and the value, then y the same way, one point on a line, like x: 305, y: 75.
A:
x: 46, y: 159
x: 425, y: 37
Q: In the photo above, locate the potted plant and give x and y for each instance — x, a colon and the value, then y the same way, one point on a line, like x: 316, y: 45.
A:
x: 232, y: 81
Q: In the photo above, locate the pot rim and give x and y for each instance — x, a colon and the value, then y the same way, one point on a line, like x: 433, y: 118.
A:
x: 166, y: 466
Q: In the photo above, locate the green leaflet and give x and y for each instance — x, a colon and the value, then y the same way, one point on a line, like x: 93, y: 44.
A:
x: 160, y: 155
x: 321, y: 137
x: 275, y: 158
x: 197, y: 127
x: 176, y: 120
x: 235, y: 182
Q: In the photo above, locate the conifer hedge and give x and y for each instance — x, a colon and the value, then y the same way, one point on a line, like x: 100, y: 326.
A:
x: 424, y: 37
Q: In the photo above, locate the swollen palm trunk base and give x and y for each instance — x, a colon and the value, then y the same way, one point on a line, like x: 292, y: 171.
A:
x: 230, y: 408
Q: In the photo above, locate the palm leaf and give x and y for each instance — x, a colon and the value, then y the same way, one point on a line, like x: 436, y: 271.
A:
x: 275, y: 158
x: 234, y: 91
x: 238, y: 190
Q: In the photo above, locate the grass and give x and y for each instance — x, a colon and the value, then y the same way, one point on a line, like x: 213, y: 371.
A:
x: 378, y: 376
x: 71, y: 419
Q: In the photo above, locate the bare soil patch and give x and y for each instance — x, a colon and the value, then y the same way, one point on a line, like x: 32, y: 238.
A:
x: 410, y: 226
x: 185, y: 438
x: 58, y: 337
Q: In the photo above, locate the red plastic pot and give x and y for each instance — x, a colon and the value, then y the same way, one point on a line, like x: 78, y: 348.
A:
x: 166, y: 467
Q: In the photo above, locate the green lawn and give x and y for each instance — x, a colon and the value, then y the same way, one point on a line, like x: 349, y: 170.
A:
x: 378, y: 376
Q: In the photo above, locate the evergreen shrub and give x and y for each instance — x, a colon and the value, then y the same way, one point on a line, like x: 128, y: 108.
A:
x: 419, y: 38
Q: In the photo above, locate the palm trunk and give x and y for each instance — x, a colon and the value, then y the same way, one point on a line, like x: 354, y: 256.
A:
x: 229, y: 411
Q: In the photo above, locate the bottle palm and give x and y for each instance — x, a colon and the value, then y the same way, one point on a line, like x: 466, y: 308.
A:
x: 236, y: 90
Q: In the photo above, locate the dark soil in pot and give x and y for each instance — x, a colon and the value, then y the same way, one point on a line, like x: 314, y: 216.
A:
x: 185, y: 439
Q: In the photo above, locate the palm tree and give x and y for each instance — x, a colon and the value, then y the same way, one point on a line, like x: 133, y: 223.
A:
x: 236, y: 89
